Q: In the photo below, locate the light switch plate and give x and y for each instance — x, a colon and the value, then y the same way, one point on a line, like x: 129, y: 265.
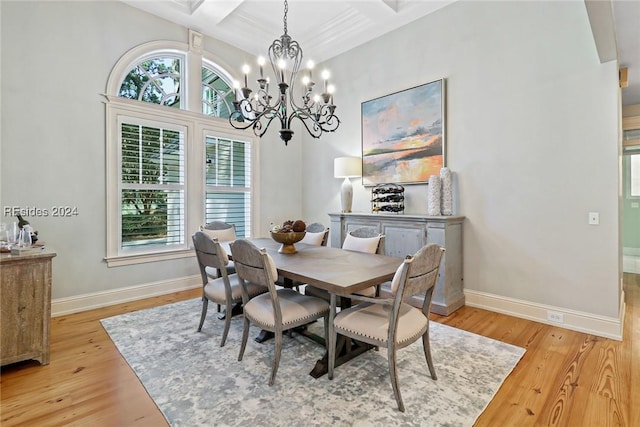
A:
x: 594, y: 218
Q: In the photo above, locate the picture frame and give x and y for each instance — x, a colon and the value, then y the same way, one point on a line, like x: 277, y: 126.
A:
x: 403, y: 135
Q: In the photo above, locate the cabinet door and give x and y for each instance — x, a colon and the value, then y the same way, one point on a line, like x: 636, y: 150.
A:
x: 403, y: 239
x: 23, y: 294
x: 351, y: 225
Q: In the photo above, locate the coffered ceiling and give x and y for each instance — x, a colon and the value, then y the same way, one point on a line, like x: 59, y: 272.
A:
x: 330, y: 27
x: 323, y: 28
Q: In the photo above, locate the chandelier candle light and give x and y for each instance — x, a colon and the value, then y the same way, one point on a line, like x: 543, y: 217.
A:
x: 347, y: 167
x: 257, y: 111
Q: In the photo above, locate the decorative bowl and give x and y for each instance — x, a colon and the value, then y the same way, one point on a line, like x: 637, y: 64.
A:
x: 287, y: 240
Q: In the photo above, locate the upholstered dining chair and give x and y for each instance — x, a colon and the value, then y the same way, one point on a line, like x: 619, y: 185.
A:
x: 278, y: 310
x: 224, y: 232
x: 316, y: 234
x: 364, y: 239
x: 224, y: 290
x: 391, y: 322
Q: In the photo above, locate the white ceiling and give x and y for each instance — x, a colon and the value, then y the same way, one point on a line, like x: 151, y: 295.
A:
x: 331, y: 27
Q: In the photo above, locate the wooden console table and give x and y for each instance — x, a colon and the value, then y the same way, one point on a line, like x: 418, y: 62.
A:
x: 25, y: 311
x: 405, y: 235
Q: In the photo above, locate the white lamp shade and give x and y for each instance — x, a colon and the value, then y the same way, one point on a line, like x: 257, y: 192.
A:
x: 347, y: 167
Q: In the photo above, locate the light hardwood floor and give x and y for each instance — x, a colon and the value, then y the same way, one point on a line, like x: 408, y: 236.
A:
x: 565, y: 378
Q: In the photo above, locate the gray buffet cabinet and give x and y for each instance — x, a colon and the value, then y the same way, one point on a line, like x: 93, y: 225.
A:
x: 405, y: 235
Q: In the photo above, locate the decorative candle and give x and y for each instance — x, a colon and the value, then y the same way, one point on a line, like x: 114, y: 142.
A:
x: 261, y: 63
x: 330, y: 90
x: 281, y: 65
x: 310, y: 65
x: 325, y: 76
x: 245, y: 70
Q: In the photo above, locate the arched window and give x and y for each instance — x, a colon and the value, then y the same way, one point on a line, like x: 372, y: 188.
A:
x: 155, y: 80
x: 217, y: 93
x: 171, y: 170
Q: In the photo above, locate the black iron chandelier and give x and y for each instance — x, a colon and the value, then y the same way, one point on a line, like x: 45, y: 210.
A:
x: 316, y: 111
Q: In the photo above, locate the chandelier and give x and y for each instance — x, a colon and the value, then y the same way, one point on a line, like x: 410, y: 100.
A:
x: 257, y: 111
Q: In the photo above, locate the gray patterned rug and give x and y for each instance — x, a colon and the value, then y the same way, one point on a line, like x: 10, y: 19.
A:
x: 194, y: 382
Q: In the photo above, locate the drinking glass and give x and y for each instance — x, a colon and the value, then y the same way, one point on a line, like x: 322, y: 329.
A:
x: 10, y: 233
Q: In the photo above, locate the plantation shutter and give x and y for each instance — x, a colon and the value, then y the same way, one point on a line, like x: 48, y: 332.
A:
x: 152, y: 185
x: 228, y: 183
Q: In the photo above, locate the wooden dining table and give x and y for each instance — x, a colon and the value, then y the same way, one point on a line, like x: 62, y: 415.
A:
x: 337, y: 271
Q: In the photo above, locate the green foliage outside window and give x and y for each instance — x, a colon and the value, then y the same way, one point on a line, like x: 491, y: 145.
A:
x: 150, y: 156
x: 155, y: 80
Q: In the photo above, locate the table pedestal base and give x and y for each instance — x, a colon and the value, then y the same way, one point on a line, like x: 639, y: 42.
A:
x: 346, y: 349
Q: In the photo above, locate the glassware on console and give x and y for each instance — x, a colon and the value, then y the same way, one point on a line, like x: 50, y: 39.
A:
x: 25, y: 237
x: 10, y: 233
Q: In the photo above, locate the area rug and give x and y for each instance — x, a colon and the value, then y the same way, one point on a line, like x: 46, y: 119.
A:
x: 195, y: 382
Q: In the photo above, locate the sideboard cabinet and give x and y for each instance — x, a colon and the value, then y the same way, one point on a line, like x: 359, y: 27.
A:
x: 25, y: 306
x: 405, y: 235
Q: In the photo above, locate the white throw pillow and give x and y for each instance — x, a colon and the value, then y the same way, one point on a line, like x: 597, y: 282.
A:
x: 226, y: 235
x: 313, y: 238
x: 361, y: 244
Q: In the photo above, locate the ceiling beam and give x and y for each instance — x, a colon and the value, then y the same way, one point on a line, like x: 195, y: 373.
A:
x: 393, y: 4
x: 217, y: 11
x: 376, y: 9
x: 603, y: 28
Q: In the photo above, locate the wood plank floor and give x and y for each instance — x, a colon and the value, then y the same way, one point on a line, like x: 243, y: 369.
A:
x: 566, y: 378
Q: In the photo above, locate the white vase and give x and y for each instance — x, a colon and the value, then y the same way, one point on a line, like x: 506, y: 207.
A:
x: 434, y: 195
x: 447, y: 191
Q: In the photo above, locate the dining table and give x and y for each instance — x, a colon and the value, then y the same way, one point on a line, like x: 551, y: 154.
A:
x: 339, y: 272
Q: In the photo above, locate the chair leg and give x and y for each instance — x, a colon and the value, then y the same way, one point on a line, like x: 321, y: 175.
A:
x: 330, y: 337
x: 225, y: 332
x: 245, y: 336
x: 393, y: 372
x: 326, y: 328
x: 276, y: 357
x: 205, y: 304
x: 427, y: 354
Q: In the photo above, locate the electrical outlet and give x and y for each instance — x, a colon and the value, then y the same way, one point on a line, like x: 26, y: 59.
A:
x: 554, y: 316
x: 594, y: 218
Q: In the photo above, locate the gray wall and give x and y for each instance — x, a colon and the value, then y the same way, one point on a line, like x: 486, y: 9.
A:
x: 532, y: 137
x: 56, y: 59
x: 532, y: 128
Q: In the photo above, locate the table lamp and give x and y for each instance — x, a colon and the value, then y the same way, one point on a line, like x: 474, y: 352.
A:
x: 347, y: 167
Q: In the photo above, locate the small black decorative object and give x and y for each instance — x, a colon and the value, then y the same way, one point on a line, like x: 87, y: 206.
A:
x: 387, y: 198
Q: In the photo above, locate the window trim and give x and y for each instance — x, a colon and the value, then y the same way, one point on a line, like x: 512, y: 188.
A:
x: 197, y: 127
x: 189, y: 115
x: 141, y: 53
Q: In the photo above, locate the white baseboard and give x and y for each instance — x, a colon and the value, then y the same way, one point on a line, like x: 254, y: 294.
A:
x: 76, y: 304
x: 607, y: 327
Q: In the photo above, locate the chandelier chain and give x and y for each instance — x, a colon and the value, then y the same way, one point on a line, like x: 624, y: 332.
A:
x: 286, y: 9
